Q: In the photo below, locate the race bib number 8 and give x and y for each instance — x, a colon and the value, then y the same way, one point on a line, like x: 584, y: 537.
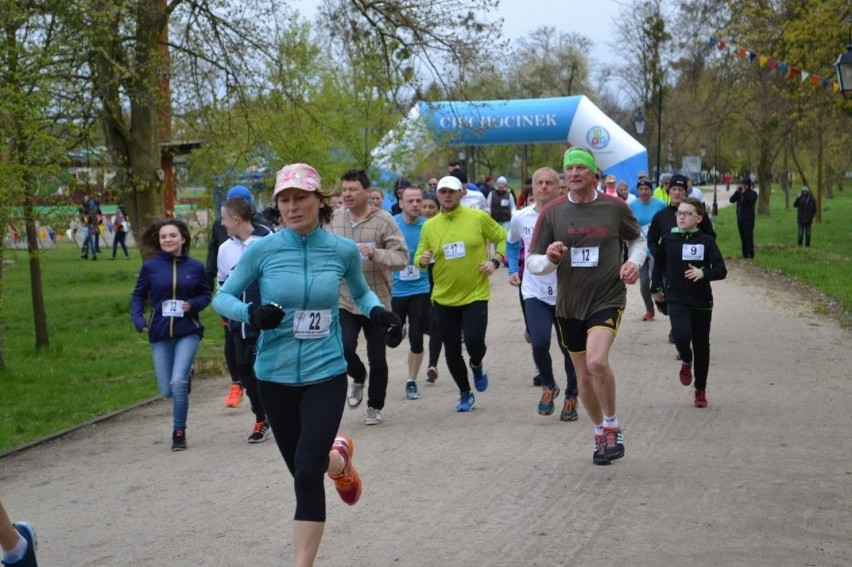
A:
x: 454, y: 250
x: 173, y: 308
x: 692, y: 252
x: 585, y: 257
x: 314, y: 324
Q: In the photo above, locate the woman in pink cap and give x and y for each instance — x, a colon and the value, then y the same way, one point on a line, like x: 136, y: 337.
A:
x: 300, y: 367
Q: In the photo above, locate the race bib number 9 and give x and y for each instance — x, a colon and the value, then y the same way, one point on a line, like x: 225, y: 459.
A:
x: 409, y: 274
x: 314, y: 324
x: 584, y: 257
x: 173, y: 308
x: 692, y: 252
x: 454, y: 250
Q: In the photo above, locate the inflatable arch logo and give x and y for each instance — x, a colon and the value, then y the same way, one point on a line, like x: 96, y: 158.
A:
x: 573, y: 120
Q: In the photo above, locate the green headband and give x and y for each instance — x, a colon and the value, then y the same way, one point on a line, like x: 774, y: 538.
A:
x: 576, y: 156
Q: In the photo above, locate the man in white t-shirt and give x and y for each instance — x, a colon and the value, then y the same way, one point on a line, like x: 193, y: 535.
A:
x: 539, y: 297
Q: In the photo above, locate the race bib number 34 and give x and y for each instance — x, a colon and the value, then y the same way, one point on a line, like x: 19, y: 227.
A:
x: 584, y: 257
x: 312, y: 324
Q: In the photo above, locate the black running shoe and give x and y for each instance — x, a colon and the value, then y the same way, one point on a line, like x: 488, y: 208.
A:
x: 614, y: 443
x: 179, y: 440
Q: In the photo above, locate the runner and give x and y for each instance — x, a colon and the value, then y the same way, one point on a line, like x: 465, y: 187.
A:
x: 644, y: 208
x: 580, y: 236
x: 457, y: 240
x: 539, y: 298
x: 411, y: 292
x: 300, y: 366
x: 689, y: 260
x: 383, y: 250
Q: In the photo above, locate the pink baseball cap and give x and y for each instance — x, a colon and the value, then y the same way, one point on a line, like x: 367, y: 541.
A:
x: 297, y: 176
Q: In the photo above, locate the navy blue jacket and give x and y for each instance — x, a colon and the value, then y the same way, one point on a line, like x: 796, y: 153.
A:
x: 164, y: 277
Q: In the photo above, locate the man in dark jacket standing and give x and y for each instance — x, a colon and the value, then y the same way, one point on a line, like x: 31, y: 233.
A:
x: 807, y: 210
x: 745, y: 197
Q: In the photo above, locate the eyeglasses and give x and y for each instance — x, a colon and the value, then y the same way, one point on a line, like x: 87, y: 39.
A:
x: 685, y: 214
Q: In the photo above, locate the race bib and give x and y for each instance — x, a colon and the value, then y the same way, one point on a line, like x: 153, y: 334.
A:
x: 314, y: 324
x: 454, y: 250
x: 692, y: 252
x: 409, y: 274
x: 584, y: 257
x: 173, y: 308
x: 504, y: 202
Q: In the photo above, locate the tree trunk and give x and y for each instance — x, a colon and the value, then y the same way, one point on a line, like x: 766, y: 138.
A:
x: 134, y: 144
x: 42, y: 337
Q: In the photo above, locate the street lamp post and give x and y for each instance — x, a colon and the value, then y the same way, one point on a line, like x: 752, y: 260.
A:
x: 843, y: 68
x: 639, y: 122
x: 659, y: 127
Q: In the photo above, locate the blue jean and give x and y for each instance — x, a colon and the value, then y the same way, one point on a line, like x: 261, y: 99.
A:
x: 541, y: 317
x: 172, y: 361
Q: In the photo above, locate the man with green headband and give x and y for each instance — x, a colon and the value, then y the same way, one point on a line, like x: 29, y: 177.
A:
x: 580, y: 235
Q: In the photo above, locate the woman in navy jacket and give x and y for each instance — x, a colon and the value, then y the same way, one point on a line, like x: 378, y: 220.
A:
x: 177, y: 288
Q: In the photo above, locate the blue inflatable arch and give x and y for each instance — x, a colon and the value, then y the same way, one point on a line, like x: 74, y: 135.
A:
x: 572, y: 120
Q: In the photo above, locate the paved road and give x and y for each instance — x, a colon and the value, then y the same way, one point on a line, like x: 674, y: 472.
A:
x: 761, y: 477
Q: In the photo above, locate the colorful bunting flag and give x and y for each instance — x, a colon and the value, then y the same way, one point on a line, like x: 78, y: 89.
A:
x: 773, y: 64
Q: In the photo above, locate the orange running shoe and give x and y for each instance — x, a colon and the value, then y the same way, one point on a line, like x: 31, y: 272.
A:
x: 235, y: 396
x: 348, y: 482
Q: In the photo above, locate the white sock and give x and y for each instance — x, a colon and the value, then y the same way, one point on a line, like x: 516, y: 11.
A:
x: 610, y: 421
x: 16, y: 553
x: 599, y: 429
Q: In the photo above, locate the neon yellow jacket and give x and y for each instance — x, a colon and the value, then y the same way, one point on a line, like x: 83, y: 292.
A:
x: 458, y: 280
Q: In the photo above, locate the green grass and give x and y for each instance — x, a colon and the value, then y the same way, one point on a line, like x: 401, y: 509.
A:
x: 96, y: 362
x: 825, y: 266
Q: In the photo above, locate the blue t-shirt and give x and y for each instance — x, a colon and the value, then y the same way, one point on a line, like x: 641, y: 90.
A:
x: 644, y: 213
x: 411, y: 280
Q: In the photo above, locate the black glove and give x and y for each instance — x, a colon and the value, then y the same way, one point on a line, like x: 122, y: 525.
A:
x: 389, y: 320
x: 265, y: 317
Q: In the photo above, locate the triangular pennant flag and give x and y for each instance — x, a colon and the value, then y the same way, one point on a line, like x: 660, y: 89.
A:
x: 825, y: 83
x: 712, y: 42
x: 783, y: 68
x: 752, y: 56
x: 773, y: 64
x: 723, y: 45
x: 805, y: 75
x: 815, y: 80
x: 835, y: 88
x: 741, y: 52
x: 761, y: 61
x: 793, y: 71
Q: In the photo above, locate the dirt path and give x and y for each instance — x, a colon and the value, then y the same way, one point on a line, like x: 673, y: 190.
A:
x: 761, y: 477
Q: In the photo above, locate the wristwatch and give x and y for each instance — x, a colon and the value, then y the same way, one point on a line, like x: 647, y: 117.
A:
x: 496, y: 263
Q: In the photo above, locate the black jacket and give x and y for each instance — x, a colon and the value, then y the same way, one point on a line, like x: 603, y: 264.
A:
x: 807, y: 208
x: 669, y: 268
x: 745, y: 201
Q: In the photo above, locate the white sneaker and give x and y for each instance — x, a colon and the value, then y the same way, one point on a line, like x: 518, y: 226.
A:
x: 373, y: 417
x: 355, y: 394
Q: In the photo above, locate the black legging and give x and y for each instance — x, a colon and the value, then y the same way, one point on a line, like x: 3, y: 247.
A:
x: 692, y: 326
x: 473, y: 320
x: 305, y: 420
